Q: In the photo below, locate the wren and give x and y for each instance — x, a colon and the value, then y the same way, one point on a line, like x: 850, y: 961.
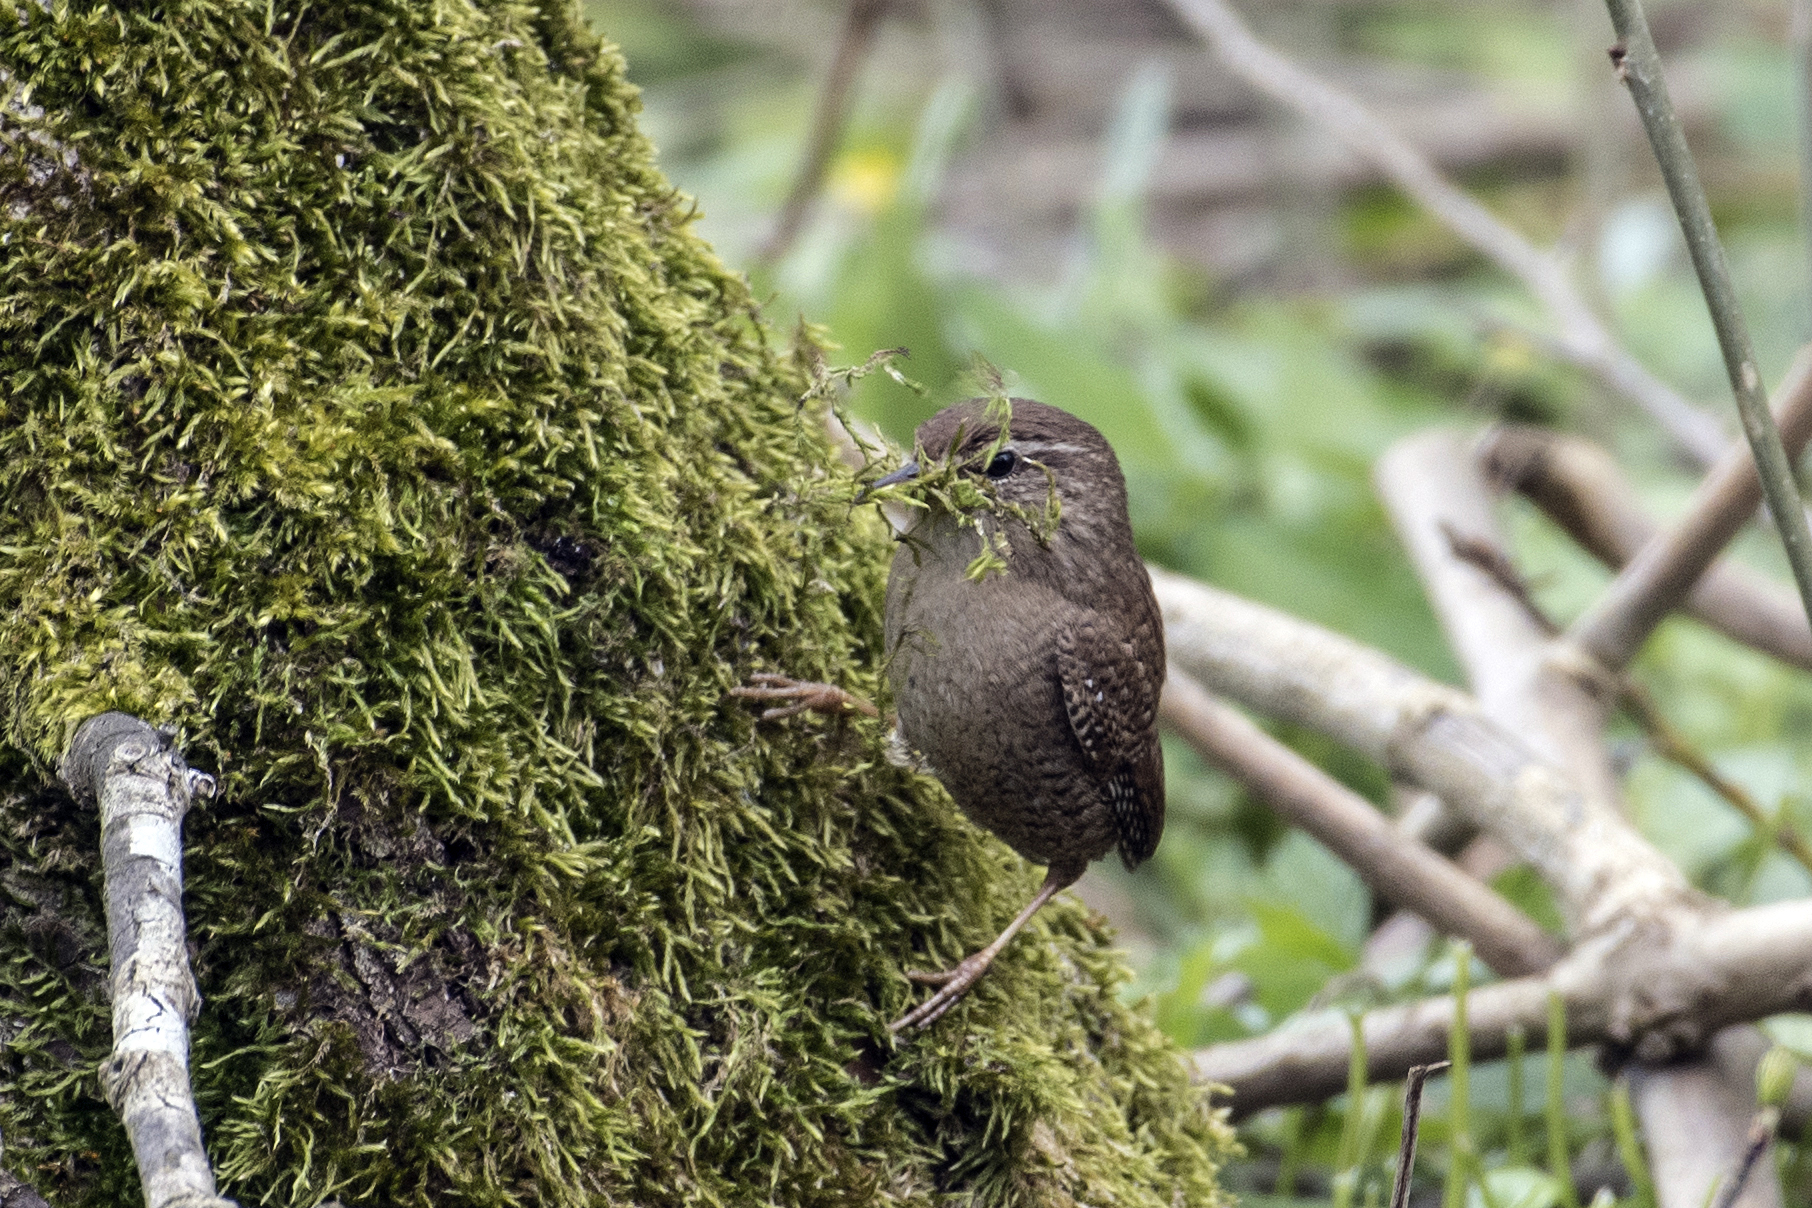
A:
x: 1031, y: 693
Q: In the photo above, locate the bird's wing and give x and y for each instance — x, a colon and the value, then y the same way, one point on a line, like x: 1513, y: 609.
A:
x: 1112, y: 670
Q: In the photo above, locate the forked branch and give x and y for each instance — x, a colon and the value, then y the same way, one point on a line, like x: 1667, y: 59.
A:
x: 1654, y: 1000
x: 1425, y: 733
x: 1659, y: 577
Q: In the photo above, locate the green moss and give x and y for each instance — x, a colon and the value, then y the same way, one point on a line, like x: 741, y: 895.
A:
x: 372, y: 415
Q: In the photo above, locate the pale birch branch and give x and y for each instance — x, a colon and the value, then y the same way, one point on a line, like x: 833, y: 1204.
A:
x: 1434, y: 494
x: 1403, y: 872
x: 143, y: 789
x: 1578, y: 332
x: 1654, y: 999
x: 1663, y: 738
x: 1424, y: 732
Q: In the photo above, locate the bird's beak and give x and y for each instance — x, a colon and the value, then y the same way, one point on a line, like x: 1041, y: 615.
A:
x: 905, y: 473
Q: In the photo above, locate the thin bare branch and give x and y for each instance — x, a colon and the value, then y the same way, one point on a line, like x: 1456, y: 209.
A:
x: 1436, y: 497
x: 143, y: 789
x: 1761, y: 1136
x: 1404, y: 873
x: 1696, y: 1106
x: 1581, y: 488
x: 859, y: 25
x: 1672, y: 746
x: 1578, y: 333
x: 1639, y: 66
x: 1658, y: 578
x: 1666, y: 741
x: 1412, y: 1127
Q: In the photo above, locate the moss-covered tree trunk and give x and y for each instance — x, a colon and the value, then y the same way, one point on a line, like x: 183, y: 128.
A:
x: 371, y: 416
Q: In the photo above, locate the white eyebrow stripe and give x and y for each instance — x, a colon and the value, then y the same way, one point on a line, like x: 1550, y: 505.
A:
x: 1046, y: 446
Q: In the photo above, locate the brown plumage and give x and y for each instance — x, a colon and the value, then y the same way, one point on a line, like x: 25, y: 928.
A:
x: 1031, y: 693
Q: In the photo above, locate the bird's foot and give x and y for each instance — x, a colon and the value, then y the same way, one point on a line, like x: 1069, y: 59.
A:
x: 953, y: 983
x: 801, y: 695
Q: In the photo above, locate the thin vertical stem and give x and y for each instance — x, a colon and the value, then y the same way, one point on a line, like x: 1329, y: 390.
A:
x: 1459, y: 1052
x: 1347, y: 1156
x: 1560, y: 1161
x: 1412, y: 1127
x: 1295, y: 1131
x: 1639, y: 66
x: 1802, y: 75
x: 1518, y: 1145
x: 1623, y: 1128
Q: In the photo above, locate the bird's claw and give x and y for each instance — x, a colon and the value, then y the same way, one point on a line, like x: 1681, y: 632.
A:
x: 801, y: 695
x: 953, y: 983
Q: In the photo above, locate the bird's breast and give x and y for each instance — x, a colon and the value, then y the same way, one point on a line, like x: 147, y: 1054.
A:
x: 974, y: 673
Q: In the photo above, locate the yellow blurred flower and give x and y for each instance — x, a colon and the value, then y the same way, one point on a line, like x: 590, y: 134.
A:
x: 866, y: 180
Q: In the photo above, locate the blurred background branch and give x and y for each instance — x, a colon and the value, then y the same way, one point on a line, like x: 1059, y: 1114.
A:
x: 1578, y: 333
x: 828, y: 121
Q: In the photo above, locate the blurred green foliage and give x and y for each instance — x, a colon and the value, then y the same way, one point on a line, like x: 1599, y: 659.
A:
x: 1248, y: 421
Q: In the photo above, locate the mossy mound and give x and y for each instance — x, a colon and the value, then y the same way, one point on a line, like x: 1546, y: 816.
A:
x: 372, y: 416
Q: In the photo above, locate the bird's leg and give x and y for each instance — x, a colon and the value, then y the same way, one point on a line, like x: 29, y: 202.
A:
x: 801, y: 695
x: 953, y: 983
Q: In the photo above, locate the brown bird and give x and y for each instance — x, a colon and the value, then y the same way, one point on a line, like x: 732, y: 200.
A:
x: 1032, y: 693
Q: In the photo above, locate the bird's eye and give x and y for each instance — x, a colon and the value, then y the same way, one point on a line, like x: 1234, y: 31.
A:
x: 1003, y: 463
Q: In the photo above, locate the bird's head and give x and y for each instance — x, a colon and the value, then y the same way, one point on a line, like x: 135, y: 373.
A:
x: 1023, y: 453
